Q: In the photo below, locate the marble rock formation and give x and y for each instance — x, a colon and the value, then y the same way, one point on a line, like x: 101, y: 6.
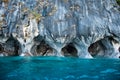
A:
x: 80, y: 28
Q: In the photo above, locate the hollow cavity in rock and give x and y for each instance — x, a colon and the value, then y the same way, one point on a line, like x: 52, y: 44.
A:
x: 106, y: 47
x: 10, y: 48
x: 69, y: 50
x: 44, y: 49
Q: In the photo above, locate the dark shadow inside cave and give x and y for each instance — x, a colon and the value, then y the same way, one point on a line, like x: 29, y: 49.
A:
x: 43, y: 49
x: 1, y: 48
x: 69, y: 51
x: 94, y: 49
x: 102, y: 48
x: 12, y: 47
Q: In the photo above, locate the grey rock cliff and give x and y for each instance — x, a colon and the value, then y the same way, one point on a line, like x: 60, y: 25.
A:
x: 81, y: 28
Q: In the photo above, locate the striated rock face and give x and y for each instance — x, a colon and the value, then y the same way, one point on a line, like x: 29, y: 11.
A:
x: 80, y: 28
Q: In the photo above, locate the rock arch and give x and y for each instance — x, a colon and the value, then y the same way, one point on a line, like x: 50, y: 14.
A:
x: 104, y: 48
x: 69, y: 50
x: 12, y: 47
x: 43, y: 49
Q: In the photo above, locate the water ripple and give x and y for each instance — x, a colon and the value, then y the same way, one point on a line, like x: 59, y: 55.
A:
x: 108, y: 71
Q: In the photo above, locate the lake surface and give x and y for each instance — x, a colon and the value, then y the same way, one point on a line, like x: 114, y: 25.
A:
x: 56, y: 68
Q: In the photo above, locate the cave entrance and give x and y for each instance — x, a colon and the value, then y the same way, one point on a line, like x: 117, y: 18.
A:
x: 43, y: 49
x: 12, y: 47
x: 94, y: 49
x: 103, y: 48
x: 100, y: 49
x: 69, y: 51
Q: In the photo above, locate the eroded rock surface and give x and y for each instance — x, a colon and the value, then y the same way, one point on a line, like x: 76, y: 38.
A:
x: 49, y: 27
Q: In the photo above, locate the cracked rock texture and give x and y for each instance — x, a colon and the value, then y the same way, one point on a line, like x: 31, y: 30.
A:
x: 78, y: 28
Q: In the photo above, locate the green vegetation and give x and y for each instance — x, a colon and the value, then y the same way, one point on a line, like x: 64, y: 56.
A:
x: 118, y: 2
x: 36, y: 15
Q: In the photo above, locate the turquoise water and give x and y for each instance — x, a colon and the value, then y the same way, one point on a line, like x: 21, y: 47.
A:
x: 56, y: 68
